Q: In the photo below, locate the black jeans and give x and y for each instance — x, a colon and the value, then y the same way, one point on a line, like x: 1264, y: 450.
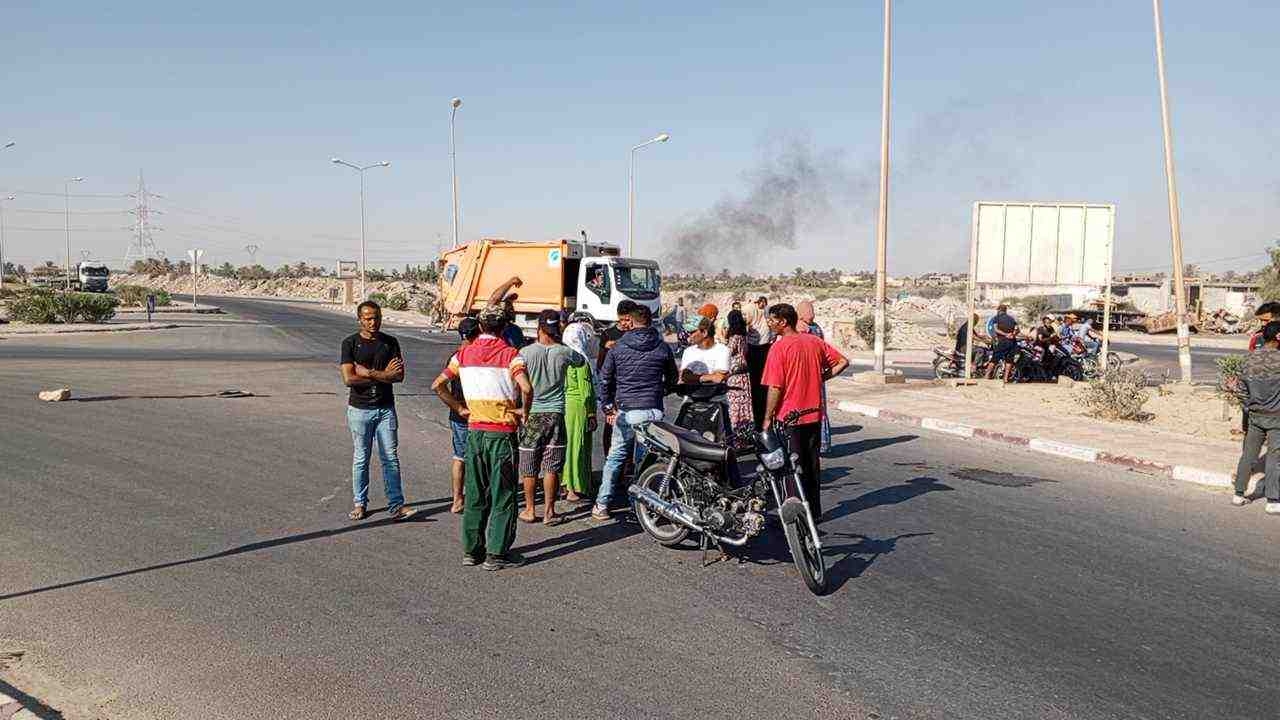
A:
x: 805, y: 442
x: 1262, y: 429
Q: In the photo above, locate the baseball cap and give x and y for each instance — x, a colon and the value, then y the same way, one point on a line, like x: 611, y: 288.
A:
x: 468, y: 327
x: 549, y: 322
x: 493, y: 313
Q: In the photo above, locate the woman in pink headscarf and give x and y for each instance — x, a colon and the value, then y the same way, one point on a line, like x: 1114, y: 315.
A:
x: 806, y: 324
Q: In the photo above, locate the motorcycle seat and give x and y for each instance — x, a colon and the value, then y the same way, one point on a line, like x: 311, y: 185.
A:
x: 687, y: 443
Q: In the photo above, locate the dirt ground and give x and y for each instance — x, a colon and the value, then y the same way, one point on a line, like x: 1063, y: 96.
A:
x: 1201, y: 413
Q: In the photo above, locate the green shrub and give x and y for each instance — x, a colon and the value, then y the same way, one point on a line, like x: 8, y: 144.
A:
x: 136, y: 296
x: 399, y: 301
x: 380, y: 298
x: 1118, y: 395
x: 36, y: 307
x: 1034, y: 307
x: 865, y: 326
x: 84, y: 307
x: 1229, y: 369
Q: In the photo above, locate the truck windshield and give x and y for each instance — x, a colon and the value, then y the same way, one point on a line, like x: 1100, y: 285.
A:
x: 94, y: 271
x: 638, y: 282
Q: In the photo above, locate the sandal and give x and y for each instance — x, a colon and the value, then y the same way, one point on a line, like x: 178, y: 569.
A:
x: 530, y: 520
x: 357, y: 513
x: 552, y: 521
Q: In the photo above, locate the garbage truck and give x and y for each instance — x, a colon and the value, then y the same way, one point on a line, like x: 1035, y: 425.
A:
x: 573, y: 275
x: 93, y: 276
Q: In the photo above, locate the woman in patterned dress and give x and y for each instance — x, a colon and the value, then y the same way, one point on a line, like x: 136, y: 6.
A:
x: 739, y: 382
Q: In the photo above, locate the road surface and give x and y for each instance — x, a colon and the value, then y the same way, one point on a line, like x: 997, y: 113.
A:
x: 168, y: 553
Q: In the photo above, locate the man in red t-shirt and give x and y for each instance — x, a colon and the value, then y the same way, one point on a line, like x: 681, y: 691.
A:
x: 798, y: 365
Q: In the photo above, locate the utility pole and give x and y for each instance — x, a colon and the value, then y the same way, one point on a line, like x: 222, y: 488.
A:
x: 882, y: 223
x: 1175, y: 222
x: 143, y: 247
x: 253, y: 253
x: 66, y: 196
x: 453, y: 162
x: 3, y: 200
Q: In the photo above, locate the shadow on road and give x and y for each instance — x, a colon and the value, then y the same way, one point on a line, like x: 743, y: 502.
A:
x: 23, y: 701
x: 584, y: 539
x: 422, y: 516
x: 857, y: 557
x: 861, y: 446
x: 891, y: 495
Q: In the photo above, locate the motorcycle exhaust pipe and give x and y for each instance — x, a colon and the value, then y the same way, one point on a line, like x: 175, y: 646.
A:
x: 676, y: 514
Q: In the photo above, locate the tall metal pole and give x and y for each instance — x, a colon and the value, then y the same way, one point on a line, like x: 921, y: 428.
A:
x: 1175, y: 222
x: 453, y: 161
x: 66, y: 216
x: 631, y: 204
x: 882, y: 224
x: 631, y: 192
x: 362, y: 245
x: 2, y: 202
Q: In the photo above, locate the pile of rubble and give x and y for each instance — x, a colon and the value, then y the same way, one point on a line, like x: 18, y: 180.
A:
x: 837, y: 316
x: 311, y: 288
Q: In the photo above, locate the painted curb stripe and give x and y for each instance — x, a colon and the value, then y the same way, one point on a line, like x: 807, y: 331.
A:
x: 946, y: 426
x: 857, y: 409
x: 1202, y: 477
x: 1064, y: 450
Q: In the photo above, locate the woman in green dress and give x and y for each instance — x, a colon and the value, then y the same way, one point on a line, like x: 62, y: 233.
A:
x: 579, y: 410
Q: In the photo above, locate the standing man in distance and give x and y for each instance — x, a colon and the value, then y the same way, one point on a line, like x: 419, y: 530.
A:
x: 1005, y: 341
x: 370, y: 363
x: 542, y: 436
x: 494, y: 381
x: 798, y: 365
x: 637, y: 374
x: 468, y: 330
x: 758, y: 343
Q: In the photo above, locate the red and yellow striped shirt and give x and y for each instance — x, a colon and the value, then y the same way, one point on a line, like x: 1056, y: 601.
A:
x: 488, y: 368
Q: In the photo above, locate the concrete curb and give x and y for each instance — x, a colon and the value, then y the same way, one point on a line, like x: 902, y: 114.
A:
x: 1184, y: 473
x: 38, y: 331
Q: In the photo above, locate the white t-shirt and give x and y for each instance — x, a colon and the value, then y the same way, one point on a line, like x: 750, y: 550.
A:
x: 703, y: 362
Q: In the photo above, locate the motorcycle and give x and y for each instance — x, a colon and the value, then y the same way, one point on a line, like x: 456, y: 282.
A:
x: 1088, y: 358
x: 703, y: 411
x: 951, y: 364
x: 685, y: 491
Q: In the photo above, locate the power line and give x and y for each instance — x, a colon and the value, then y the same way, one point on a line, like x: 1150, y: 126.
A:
x: 58, y: 194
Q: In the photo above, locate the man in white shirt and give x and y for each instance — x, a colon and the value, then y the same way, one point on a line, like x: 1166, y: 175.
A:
x: 705, y: 360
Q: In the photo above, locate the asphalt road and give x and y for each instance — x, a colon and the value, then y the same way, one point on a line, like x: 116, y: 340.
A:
x: 169, y: 554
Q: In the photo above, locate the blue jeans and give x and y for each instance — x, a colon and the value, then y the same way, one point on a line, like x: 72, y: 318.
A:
x: 624, y: 437
x: 365, y: 425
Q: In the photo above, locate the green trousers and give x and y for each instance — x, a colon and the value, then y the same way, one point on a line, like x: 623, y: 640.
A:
x: 489, y: 513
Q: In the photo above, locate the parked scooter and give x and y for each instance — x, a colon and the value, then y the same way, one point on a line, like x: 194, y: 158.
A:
x: 951, y: 364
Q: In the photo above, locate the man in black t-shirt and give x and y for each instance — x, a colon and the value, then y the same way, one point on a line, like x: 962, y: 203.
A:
x: 1005, y: 341
x: 371, y: 362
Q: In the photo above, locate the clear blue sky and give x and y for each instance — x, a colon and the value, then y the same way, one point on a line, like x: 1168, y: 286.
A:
x: 233, y: 110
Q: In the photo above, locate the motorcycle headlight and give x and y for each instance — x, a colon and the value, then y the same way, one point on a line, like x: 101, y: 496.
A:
x: 774, y: 460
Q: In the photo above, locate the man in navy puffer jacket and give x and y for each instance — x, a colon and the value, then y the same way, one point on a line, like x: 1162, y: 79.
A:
x: 637, y: 373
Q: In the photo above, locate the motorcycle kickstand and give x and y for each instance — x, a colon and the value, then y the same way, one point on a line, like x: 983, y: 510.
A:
x: 705, y: 543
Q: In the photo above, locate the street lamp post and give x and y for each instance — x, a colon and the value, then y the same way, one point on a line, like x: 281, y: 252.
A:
x: 631, y: 192
x: 1175, y: 222
x: 360, y: 169
x: 66, y: 197
x: 453, y: 161
x: 882, y: 222
x: 3, y: 200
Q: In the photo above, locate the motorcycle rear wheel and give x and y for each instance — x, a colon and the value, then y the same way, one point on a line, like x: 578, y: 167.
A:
x: 804, y: 551
x: 664, y: 531
x: 942, y: 369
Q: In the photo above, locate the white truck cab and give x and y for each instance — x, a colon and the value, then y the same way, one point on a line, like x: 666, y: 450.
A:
x: 605, y: 281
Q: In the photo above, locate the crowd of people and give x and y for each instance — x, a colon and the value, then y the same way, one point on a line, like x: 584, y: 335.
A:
x: 1071, y: 335
x: 522, y: 414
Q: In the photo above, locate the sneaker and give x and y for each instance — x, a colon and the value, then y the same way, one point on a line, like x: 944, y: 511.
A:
x: 600, y: 513
x: 1240, y: 500
x: 501, y: 562
x: 1273, y: 507
x: 470, y: 561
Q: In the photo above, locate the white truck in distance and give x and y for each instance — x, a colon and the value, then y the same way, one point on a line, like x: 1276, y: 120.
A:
x: 93, y: 276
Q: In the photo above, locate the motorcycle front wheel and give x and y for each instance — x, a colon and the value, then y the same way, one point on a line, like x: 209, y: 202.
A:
x: 659, y: 528
x: 942, y: 369
x: 804, y: 548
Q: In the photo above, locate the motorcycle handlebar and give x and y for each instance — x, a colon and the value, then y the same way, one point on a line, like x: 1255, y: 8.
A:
x: 791, y: 417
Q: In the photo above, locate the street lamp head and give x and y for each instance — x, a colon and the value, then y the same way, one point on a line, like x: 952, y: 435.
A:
x: 663, y: 137
x: 455, y: 103
x: 336, y: 161
x: 12, y: 143
x: 10, y: 197
x: 385, y: 163
x: 76, y: 179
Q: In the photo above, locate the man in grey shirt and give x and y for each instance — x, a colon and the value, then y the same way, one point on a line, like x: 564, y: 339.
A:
x: 542, y: 437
